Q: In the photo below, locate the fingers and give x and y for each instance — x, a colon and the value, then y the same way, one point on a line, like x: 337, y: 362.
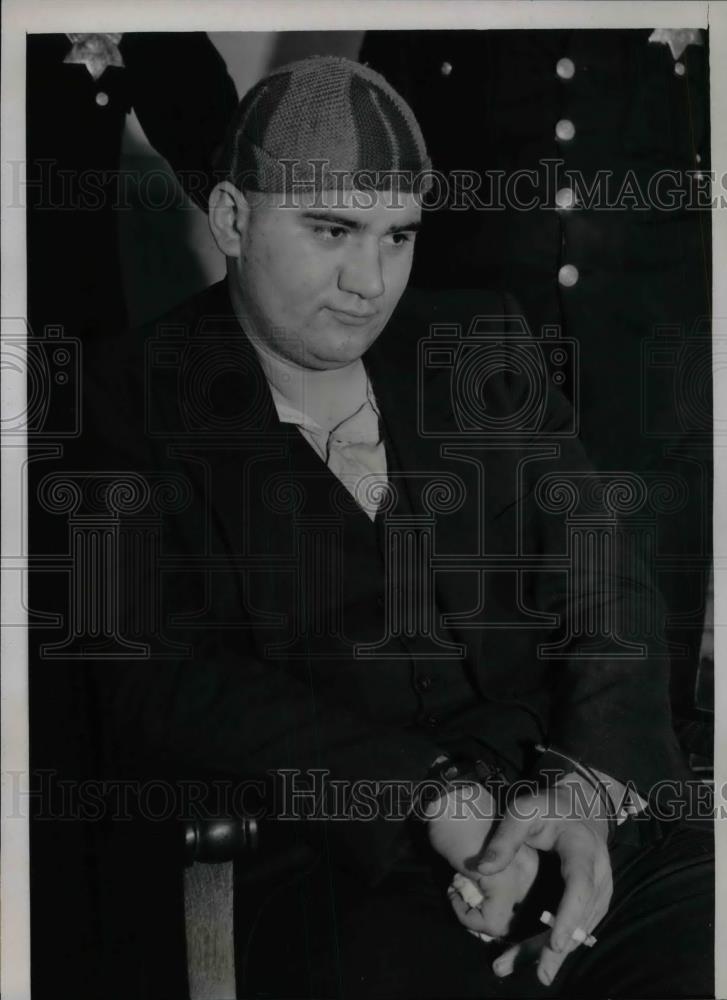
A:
x: 579, y: 935
x: 496, y: 896
x: 523, y: 953
x: 467, y: 889
x: 586, y: 871
x: 469, y: 916
x: 492, y: 916
x: 578, y: 900
x: 588, y: 884
x: 503, y: 845
x: 587, y: 894
x: 481, y: 936
x: 529, y: 952
x: 588, y: 888
x: 550, y: 962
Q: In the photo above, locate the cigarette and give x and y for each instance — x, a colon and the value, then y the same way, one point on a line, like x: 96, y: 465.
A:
x: 578, y: 935
x: 467, y: 890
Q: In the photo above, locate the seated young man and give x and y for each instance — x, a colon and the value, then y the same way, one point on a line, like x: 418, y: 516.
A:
x: 376, y: 611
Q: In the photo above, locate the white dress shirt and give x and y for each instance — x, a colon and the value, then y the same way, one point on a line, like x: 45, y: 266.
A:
x: 335, y: 410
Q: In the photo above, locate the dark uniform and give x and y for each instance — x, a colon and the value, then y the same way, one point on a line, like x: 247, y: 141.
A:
x: 630, y: 283
x: 178, y: 85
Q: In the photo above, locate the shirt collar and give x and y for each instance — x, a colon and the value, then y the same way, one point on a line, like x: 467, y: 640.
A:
x: 316, y: 400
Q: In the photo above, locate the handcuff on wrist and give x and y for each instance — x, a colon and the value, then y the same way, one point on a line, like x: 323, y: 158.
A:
x: 552, y: 759
x: 448, y: 773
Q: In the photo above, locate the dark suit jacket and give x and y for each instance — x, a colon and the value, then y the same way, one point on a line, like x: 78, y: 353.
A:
x: 186, y: 399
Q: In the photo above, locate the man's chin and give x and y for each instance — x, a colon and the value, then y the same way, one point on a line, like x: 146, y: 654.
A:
x: 339, y: 351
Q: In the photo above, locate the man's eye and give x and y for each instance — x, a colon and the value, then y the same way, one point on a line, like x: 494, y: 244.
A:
x: 330, y: 232
x: 400, y: 239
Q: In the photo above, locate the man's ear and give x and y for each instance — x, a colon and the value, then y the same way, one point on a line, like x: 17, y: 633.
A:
x: 229, y: 211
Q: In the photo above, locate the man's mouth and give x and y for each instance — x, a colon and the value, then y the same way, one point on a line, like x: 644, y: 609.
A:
x: 352, y: 318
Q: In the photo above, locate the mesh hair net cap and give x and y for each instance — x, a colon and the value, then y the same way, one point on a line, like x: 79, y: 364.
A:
x: 312, y: 118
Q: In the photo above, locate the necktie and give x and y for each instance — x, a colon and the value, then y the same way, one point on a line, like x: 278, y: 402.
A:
x: 352, y: 448
x: 355, y: 454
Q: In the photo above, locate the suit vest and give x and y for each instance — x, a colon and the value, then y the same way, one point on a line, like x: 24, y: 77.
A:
x: 360, y: 598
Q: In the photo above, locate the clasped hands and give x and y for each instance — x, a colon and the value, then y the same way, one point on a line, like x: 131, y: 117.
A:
x: 501, y: 858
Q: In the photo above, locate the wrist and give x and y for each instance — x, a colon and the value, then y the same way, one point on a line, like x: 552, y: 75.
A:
x: 578, y: 799
x: 459, y: 822
x: 447, y: 775
x: 588, y: 798
x: 463, y: 800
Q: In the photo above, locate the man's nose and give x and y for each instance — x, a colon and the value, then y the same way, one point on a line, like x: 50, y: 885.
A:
x: 361, y: 272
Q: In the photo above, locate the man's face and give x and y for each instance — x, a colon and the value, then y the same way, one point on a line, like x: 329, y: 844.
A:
x: 320, y: 280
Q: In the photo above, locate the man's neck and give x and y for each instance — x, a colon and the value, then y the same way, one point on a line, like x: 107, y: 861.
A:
x: 326, y: 395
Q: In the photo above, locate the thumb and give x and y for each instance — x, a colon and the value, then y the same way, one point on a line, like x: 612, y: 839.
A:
x: 504, y: 844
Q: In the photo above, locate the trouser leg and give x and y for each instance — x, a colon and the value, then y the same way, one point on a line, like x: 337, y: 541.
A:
x: 657, y: 940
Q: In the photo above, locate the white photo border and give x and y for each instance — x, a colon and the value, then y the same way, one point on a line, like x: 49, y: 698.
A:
x: 27, y: 16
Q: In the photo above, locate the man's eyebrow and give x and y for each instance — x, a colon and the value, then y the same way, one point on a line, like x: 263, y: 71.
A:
x: 332, y: 218
x: 407, y: 227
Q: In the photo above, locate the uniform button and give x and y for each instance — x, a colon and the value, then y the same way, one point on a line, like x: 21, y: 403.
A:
x: 432, y: 721
x: 565, y: 130
x: 698, y: 158
x: 679, y: 68
x: 568, y: 275
x: 565, y: 198
x: 445, y: 69
x: 565, y: 68
x: 424, y: 683
x: 102, y: 99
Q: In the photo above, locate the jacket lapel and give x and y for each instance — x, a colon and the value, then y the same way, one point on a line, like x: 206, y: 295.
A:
x: 463, y: 482
x: 442, y: 492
